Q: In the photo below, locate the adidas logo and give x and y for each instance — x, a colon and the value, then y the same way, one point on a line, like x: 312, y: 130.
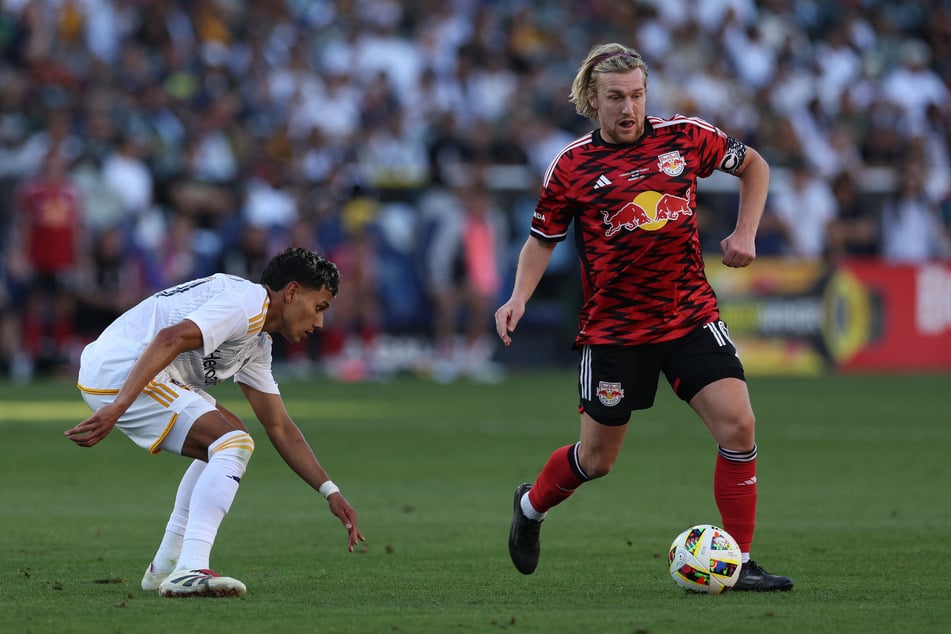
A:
x: 603, y: 181
x: 747, y: 483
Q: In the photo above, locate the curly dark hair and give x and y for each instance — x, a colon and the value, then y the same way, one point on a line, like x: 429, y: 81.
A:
x: 296, y: 264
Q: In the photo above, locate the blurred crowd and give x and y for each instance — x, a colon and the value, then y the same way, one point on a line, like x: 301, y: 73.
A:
x: 147, y: 142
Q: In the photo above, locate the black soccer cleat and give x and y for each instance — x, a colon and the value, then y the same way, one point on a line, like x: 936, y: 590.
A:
x: 524, y: 545
x: 754, y: 578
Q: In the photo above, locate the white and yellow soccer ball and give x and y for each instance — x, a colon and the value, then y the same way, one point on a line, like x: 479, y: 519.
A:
x: 705, y: 559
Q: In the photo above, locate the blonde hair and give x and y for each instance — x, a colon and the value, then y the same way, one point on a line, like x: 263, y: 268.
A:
x: 603, y: 58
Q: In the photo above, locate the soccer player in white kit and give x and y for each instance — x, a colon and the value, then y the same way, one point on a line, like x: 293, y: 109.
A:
x: 147, y: 372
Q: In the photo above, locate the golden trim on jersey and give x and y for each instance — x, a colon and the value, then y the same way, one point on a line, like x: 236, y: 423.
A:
x: 256, y: 323
x: 156, y: 446
x: 147, y: 390
x: 92, y: 390
x: 162, y: 393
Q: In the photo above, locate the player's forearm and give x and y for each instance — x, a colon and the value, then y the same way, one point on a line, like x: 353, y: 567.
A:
x: 158, y: 354
x: 297, y: 453
x: 532, y: 262
x: 754, y: 188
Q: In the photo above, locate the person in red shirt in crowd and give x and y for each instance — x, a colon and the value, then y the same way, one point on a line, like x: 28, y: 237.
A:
x: 630, y: 188
x: 50, y: 224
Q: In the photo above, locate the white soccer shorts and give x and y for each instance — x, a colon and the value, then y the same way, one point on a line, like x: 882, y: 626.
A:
x: 161, y: 417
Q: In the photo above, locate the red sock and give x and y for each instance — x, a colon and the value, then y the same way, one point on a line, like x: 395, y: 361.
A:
x: 559, y: 478
x: 734, y: 489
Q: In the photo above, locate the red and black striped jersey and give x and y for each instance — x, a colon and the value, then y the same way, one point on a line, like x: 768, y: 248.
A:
x: 634, y: 212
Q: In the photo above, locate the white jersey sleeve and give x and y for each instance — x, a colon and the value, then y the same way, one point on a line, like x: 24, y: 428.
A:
x: 229, y: 311
x: 233, y: 314
x: 257, y: 371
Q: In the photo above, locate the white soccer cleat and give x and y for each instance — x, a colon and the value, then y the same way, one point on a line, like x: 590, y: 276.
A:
x: 200, y: 583
x: 152, y: 580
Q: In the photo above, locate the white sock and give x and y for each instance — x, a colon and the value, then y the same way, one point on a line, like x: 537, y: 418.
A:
x: 529, y: 511
x: 166, y: 557
x: 212, y: 497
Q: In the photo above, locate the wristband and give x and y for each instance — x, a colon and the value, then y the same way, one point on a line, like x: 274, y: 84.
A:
x: 328, y: 488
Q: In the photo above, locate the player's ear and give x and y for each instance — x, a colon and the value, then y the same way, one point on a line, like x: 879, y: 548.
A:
x: 291, y: 290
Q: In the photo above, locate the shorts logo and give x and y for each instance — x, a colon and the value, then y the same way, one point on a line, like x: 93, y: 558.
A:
x: 610, y: 394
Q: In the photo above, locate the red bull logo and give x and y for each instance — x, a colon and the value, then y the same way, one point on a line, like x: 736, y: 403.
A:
x: 671, y: 163
x: 610, y: 394
x: 648, y: 211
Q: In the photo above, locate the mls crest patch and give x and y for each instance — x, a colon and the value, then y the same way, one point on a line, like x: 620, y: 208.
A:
x: 609, y: 394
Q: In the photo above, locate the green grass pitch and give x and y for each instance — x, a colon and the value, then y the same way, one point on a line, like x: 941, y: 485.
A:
x: 854, y: 483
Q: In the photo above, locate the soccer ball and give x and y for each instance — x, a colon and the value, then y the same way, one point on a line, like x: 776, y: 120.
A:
x: 705, y: 559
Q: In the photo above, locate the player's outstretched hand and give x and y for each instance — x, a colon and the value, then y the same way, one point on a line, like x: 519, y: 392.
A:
x: 348, y: 517
x: 507, y: 317
x: 95, y: 428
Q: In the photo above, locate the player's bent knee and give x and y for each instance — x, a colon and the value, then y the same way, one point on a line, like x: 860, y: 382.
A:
x: 599, y: 470
x: 236, y: 447
x: 746, y: 430
x: 596, y: 466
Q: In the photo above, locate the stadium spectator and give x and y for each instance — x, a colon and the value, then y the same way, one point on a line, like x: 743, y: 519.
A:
x: 855, y: 230
x: 354, y: 327
x: 125, y: 171
x: 101, y: 206
x: 913, y: 86
x: 805, y: 205
x: 175, y: 259
x: 147, y: 373
x: 934, y: 150
x: 630, y: 187
x: 210, y: 88
x: 466, y: 253
x: 50, y: 227
x: 56, y: 133
x: 772, y: 237
x: 912, y: 227
x: 247, y: 255
x: 108, y: 283
x: 394, y: 157
x: 270, y: 201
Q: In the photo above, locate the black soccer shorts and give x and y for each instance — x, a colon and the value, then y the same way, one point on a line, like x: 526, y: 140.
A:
x: 613, y: 381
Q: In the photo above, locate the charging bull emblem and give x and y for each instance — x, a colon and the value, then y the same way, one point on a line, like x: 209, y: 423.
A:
x: 648, y: 211
x: 610, y: 393
x: 671, y: 163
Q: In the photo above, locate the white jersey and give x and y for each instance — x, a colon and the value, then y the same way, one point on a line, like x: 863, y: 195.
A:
x: 230, y: 313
